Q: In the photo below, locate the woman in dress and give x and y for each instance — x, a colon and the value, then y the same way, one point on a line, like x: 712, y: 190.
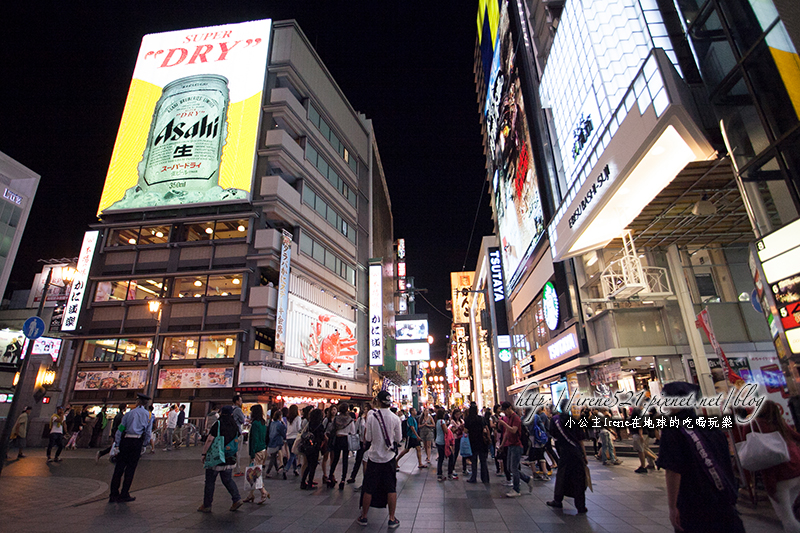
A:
x: 426, y: 425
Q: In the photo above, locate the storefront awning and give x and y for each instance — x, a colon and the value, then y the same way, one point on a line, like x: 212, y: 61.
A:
x: 549, y: 373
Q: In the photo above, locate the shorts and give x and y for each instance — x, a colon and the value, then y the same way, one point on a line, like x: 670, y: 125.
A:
x: 638, y: 445
x: 413, y: 442
x: 426, y: 434
x: 536, y: 454
x: 380, y: 478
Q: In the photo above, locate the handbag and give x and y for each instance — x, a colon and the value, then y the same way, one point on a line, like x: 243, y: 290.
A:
x: 353, y: 442
x: 760, y: 451
x: 215, y: 455
x: 252, y: 477
x: 465, y: 448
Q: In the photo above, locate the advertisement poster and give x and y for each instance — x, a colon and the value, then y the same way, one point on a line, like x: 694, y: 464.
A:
x: 319, y: 340
x: 413, y: 351
x: 11, y: 347
x: 110, y: 380
x: 195, y: 378
x: 411, y: 330
x: 44, y: 346
x: 190, y: 124
x: 56, y: 292
x: 515, y: 187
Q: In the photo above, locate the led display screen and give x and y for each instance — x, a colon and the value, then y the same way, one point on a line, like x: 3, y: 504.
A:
x: 190, y: 124
x: 515, y: 189
x: 413, y: 351
x: 411, y: 330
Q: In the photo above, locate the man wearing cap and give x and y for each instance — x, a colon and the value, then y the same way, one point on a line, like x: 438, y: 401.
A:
x: 20, y: 431
x: 132, y: 436
x: 380, y: 478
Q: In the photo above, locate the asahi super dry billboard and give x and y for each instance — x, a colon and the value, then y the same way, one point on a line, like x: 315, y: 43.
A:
x: 188, y: 132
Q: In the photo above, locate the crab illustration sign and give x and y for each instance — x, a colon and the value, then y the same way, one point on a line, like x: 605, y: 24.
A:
x: 319, y: 340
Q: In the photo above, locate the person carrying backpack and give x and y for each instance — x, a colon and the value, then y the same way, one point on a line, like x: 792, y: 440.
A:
x: 538, y: 439
x: 312, y: 440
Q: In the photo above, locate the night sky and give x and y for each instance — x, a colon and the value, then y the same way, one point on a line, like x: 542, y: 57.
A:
x: 405, y: 65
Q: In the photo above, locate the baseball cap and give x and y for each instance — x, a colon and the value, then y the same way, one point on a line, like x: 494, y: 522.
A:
x: 385, y: 398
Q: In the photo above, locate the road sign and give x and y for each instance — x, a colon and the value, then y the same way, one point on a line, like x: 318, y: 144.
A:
x: 33, y: 328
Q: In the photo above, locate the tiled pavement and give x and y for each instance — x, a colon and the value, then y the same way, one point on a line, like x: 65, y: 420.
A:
x: 622, y: 501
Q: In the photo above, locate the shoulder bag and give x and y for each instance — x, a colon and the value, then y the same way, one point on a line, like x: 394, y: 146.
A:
x: 215, y: 455
x: 760, y: 451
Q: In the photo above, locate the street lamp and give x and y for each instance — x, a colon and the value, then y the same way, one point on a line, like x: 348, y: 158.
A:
x: 155, y: 307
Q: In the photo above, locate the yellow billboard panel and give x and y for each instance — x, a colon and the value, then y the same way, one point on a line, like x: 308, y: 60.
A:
x: 461, y: 284
x: 190, y: 124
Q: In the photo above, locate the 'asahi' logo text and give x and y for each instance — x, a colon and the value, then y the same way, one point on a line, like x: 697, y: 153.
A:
x: 175, y: 132
x: 496, y: 267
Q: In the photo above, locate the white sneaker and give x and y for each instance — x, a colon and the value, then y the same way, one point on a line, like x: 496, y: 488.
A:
x: 508, y: 483
x: 513, y: 494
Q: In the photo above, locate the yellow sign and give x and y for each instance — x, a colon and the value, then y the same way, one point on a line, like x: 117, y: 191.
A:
x: 190, y: 124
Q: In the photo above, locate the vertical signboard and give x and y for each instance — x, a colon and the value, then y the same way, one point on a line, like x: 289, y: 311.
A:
x: 461, y: 284
x: 375, y: 315
x: 498, y: 291
x: 79, y: 282
x: 283, y: 292
x: 190, y: 125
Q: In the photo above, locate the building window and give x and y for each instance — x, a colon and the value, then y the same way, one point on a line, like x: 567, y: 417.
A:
x: 327, y: 258
x: 264, y: 339
x: 330, y: 174
x: 116, y: 350
x: 139, y: 236
x: 200, y: 347
x: 231, y: 229
x: 136, y: 289
x: 328, y: 213
x: 327, y: 132
x: 214, y: 285
x: 203, y: 231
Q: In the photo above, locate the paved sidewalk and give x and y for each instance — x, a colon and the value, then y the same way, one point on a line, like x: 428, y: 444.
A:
x: 622, y: 502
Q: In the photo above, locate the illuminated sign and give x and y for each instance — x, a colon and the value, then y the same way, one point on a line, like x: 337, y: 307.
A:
x: 498, y: 291
x: 45, y: 346
x: 401, y: 248
x: 780, y: 252
x: 79, y: 282
x: 283, y: 292
x: 110, y: 379
x: 411, y: 330
x: 401, y: 270
x: 593, y: 191
x: 190, y: 125
x: 413, y: 351
x: 560, y: 348
x: 12, y: 196
x: 375, y: 315
x: 195, y: 378
x: 461, y: 352
x: 461, y: 284
x: 515, y: 189
x: 550, y: 305
x: 319, y: 340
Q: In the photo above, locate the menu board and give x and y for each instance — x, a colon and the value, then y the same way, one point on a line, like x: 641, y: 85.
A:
x: 195, y: 378
x: 110, y: 380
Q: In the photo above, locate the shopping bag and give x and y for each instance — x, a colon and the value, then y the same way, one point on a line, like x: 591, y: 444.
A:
x: 252, y: 477
x: 588, y: 478
x: 353, y: 442
x: 465, y: 448
x: 760, y: 451
x: 112, y: 455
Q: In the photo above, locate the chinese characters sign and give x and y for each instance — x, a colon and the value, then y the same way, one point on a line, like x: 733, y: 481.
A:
x: 283, y: 292
x: 73, y: 309
x: 461, y: 283
x: 375, y: 315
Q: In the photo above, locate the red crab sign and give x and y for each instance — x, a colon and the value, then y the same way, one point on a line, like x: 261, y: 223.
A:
x: 331, y: 349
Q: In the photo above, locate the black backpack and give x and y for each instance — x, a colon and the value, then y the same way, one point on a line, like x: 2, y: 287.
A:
x: 308, y: 443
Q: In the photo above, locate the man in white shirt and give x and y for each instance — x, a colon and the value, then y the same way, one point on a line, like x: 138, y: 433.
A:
x: 380, y: 479
x: 172, y: 423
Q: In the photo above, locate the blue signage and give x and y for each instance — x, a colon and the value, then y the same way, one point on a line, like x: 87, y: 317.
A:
x: 33, y: 328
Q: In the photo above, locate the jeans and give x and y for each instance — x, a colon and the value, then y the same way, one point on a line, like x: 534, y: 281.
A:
x: 227, y: 481
x: 451, y: 465
x: 170, y: 432
x: 785, y: 494
x: 514, y: 456
x: 476, y: 458
x: 607, y: 447
x: 292, y: 457
x: 340, y: 448
x: 312, y: 460
x: 56, y: 439
x: 441, y: 459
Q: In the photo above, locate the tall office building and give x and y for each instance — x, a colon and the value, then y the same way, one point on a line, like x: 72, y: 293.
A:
x: 617, y: 189
x: 239, y: 196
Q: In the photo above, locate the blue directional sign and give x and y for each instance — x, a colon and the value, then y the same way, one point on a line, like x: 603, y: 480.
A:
x: 33, y: 328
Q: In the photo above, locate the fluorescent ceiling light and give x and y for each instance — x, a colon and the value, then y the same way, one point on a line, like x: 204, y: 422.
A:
x: 665, y: 159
